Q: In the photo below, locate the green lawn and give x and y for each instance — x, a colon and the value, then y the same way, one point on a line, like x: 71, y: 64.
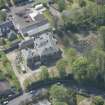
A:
x: 6, y: 72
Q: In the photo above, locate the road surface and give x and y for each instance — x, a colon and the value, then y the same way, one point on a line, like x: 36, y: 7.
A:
x: 89, y: 91
x: 16, y: 101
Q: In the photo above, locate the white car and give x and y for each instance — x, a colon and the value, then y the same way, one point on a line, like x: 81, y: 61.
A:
x: 32, y: 92
x: 5, y: 102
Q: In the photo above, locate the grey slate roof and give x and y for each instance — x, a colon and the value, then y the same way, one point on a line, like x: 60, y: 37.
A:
x: 28, y: 53
x: 45, y: 44
x: 6, y: 24
x: 27, y: 26
x: 26, y: 42
x: 34, y: 26
x: 6, y: 27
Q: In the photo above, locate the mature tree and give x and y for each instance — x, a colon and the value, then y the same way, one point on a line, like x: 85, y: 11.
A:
x: 59, y: 93
x: 98, y: 100
x: 84, y: 18
x: 83, y: 70
x: 2, y: 16
x: 82, y: 3
x: 61, y: 5
x: 44, y: 74
x: 71, y: 1
x: 74, y: 18
x: 71, y: 54
x: 2, y: 3
x: 97, y: 57
x: 61, y: 66
x: 102, y: 37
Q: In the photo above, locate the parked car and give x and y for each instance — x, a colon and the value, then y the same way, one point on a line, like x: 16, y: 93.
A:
x: 32, y: 92
x: 5, y: 102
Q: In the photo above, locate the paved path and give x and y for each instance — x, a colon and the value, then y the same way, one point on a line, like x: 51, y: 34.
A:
x: 16, y: 101
x: 89, y: 91
x: 86, y: 102
x: 57, y: 14
x: 12, y: 56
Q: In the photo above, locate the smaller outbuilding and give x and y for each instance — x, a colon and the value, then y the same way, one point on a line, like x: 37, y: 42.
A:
x: 28, y: 42
x: 7, y: 30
